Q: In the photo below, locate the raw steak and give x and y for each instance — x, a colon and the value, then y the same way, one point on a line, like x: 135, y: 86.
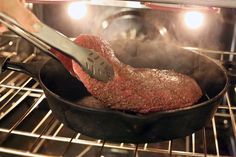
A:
x: 138, y: 90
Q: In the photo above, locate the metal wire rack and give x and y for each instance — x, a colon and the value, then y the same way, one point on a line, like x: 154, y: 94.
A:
x: 28, y: 127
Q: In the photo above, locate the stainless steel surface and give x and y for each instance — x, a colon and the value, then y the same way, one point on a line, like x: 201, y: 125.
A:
x: 48, y: 39
x: 212, y: 3
x: 48, y: 137
x: 14, y: 26
x: 138, y: 3
x: 131, y: 4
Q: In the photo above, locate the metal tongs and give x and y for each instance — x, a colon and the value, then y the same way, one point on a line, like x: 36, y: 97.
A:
x: 48, y: 39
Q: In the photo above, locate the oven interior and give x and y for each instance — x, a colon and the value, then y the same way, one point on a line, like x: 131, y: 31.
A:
x: 136, y: 31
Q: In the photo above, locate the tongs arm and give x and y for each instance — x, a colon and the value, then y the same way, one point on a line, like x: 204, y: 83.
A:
x: 12, y: 25
x: 47, y: 39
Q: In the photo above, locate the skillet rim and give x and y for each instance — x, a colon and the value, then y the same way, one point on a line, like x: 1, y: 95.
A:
x: 148, y: 115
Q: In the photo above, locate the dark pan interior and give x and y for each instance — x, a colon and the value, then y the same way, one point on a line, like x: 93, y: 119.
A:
x: 209, y: 75
x: 67, y: 97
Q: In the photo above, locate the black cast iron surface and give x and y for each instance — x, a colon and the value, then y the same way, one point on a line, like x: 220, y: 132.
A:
x: 118, y: 126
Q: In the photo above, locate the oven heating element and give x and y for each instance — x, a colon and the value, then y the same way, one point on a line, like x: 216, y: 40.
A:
x: 28, y: 128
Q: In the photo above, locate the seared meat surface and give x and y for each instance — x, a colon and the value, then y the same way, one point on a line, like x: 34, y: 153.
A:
x: 140, y: 90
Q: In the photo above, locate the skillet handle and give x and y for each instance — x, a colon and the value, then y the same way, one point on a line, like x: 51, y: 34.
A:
x: 32, y: 69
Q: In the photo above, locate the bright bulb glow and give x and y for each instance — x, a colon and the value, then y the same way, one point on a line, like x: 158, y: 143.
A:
x: 105, y: 24
x: 193, y: 19
x: 163, y: 31
x: 77, y: 10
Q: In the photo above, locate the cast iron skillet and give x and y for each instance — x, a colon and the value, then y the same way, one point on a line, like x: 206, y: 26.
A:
x: 64, y: 92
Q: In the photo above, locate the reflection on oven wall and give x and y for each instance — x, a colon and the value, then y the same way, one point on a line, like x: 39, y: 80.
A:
x: 126, y: 26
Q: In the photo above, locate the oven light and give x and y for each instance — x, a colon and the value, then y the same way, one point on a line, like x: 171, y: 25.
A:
x: 105, y: 24
x: 163, y: 31
x: 77, y: 10
x: 193, y: 19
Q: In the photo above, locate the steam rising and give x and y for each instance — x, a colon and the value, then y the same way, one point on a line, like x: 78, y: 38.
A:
x: 145, y: 29
x: 149, y: 33
x: 151, y: 39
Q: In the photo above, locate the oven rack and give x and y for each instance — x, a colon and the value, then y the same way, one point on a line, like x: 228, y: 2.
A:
x: 17, y: 89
